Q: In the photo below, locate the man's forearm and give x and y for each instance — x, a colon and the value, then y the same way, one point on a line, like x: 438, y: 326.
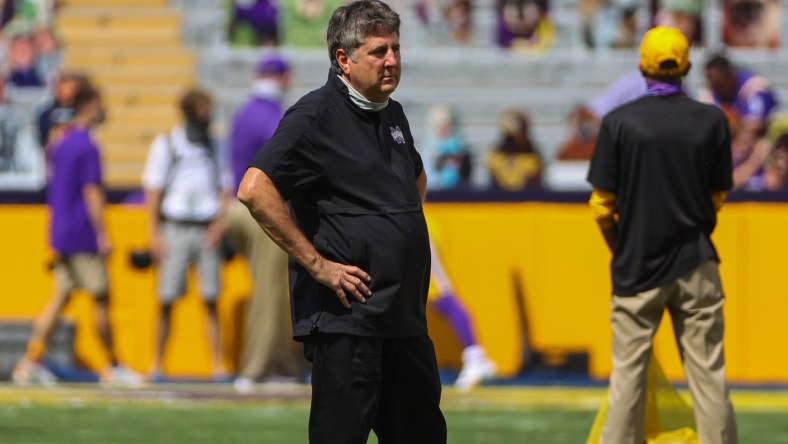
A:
x: 153, y: 200
x: 94, y: 200
x: 268, y: 208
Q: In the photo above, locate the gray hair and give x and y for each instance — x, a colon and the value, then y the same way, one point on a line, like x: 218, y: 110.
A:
x: 351, y: 24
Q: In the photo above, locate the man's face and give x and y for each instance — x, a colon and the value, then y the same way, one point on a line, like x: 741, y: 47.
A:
x: 376, y: 70
x: 722, y: 82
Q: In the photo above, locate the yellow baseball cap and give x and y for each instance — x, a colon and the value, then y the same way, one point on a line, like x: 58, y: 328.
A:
x: 663, y: 44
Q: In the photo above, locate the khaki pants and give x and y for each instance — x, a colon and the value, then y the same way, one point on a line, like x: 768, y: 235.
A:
x: 267, y: 347
x: 695, y: 304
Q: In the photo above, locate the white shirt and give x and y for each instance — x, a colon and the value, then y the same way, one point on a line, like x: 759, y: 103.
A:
x: 192, y: 186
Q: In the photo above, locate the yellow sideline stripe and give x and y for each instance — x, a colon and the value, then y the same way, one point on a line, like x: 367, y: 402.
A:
x: 210, y: 395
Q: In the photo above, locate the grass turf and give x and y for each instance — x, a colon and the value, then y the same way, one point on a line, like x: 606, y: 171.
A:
x: 89, y: 417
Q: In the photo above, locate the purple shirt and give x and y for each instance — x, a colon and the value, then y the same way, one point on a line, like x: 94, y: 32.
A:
x: 75, y: 163
x: 253, y: 125
x: 755, y: 98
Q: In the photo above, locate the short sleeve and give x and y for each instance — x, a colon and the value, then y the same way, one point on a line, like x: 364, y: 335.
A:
x: 292, y: 158
x: 158, y: 165
x: 721, y: 176
x: 91, y: 167
x: 603, y: 172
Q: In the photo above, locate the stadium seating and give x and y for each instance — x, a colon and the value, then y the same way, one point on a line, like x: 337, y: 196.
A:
x: 146, y: 39
x: 479, y: 80
x: 134, y: 51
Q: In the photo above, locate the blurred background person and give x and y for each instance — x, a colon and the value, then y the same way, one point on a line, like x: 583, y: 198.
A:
x: 684, y: 15
x: 608, y: 23
x: 22, y: 58
x: 452, y: 18
x: 477, y: 367
x: 447, y: 156
x: 187, y: 186
x: 254, y: 23
x: 66, y: 87
x: 751, y: 23
x: 524, y: 25
x: 747, y: 99
x: 775, y: 176
x: 515, y: 163
x: 267, y: 349
x: 79, y: 240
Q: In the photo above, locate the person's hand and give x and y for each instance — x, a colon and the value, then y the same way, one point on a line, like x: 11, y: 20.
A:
x: 158, y: 247
x: 103, y: 243
x: 343, y: 279
x: 212, y: 237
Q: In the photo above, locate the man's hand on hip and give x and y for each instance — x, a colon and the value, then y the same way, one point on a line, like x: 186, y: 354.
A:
x: 343, y: 279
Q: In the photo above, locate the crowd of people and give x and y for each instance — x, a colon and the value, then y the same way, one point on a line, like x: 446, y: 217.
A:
x: 521, y: 25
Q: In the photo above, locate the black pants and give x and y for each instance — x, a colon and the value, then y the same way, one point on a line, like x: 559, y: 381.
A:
x: 360, y: 384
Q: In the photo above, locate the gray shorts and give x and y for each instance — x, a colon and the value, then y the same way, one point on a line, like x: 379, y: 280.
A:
x: 184, y: 246
x: 87, y: 271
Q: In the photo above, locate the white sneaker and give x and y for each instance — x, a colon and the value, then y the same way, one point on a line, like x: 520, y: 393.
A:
x: 243, y: 385
x: 28, y: 372
x: 476, y: 368
x: 121, y: 375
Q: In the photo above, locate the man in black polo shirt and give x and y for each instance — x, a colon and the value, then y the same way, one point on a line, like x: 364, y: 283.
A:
x: 343, y: 156
x: 660, y: 171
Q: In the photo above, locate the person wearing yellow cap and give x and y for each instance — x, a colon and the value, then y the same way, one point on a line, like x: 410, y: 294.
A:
x: 660, y: 171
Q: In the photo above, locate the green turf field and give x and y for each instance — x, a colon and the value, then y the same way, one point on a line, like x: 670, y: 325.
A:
x: 216, y: 415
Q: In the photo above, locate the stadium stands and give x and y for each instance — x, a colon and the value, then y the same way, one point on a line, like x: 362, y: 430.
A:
x: 144, y: 52
x: 134, y: 51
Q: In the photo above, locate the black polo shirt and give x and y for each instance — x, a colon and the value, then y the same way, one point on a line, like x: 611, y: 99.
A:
x: 663, y: 156
x: 350, y: 176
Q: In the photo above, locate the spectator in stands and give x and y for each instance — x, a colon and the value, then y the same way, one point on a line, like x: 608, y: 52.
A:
x: 524, y: 25
x: 254, y: 23
x: 751, y: 23
x: 267, y: 349
x: 187, y: 186
x: 22, y: 58
x: 583, y: 129
x: 684, y: 15
x: 775, y: 177
x: 747, y: 100
x: 515, y: 163
x: 80, y: 242
x: 609, y: 23
x: 453, y: 17
x: 66, y: 86
x: 448, y: 159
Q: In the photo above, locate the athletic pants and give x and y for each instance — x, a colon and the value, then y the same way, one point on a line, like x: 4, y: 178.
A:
x: 360, y: 384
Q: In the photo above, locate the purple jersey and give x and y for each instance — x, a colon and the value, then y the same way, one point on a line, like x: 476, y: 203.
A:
x: 254, y: 124
x: 75, y: 163
x: 755, y: 99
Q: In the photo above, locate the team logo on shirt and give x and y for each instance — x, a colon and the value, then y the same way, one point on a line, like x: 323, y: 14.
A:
x: 396, y: 133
